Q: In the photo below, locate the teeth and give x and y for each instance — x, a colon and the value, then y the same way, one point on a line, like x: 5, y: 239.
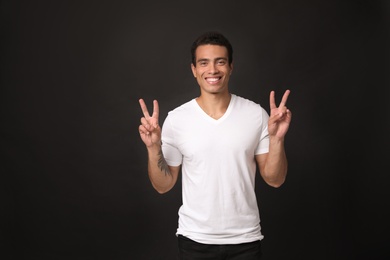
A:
x: 212, y: 79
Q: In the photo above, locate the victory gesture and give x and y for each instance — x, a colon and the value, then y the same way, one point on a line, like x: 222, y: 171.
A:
x: 280, y: 117
x: 149, y: 130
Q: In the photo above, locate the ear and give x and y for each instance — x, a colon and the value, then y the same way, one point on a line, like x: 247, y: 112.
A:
x: 231, y: 68
x: 193, y: 69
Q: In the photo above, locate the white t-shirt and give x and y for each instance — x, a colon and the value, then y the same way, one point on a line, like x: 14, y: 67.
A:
x: 218, y: 169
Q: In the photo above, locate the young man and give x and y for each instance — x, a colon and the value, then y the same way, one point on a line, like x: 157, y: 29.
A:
x: 217, y: 139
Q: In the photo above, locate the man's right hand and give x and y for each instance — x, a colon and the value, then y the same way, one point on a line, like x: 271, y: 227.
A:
x: 149, y: 130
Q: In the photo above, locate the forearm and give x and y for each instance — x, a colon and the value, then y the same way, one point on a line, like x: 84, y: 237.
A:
x: 275, y: 169
x: 160, y: 174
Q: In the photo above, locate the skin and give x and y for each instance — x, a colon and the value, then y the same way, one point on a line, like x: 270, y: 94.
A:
x: 162, y: 176
x: 212, y: 72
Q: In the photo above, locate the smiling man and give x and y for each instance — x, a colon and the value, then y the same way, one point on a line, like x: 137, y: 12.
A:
x: 217, y: 140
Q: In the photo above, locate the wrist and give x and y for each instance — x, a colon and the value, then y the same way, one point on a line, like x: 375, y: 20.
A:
x: 156, y: 147
x: 274, y: 140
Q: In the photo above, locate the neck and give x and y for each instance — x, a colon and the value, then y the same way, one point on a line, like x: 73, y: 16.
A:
x: 214, y: 105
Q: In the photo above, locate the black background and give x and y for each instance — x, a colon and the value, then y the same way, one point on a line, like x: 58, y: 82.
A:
x: 74, y: 183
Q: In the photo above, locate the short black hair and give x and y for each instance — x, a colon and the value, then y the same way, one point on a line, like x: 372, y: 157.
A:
x: 213, y: 38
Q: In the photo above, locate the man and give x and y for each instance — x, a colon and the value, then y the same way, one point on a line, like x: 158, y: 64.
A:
x: 218, y: 139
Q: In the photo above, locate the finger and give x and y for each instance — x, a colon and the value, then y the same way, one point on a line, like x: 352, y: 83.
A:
x: 282, y: 116
x: 272, y: 100
x: 289, y: 112
x: 144, y: 122
x: 156, y: 110
x: 274, y: 118
x: 284, y: 98
x: 282, y: 110
x: 144, y: 108
x: 148, y: 125
x: 143, y: 130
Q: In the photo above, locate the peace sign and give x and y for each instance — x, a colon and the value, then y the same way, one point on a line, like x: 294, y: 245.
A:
x: 149, y: 130
x: 280, y: 117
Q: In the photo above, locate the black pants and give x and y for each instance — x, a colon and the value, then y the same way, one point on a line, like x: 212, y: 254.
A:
x: 191, y: 250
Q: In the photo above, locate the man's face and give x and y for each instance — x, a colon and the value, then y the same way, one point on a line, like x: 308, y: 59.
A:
x: 212, y: 70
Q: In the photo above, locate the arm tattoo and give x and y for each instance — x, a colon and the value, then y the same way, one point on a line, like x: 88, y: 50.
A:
x: 162, y: 164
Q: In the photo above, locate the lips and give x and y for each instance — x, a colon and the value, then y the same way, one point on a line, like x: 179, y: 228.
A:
x: 212, y: 80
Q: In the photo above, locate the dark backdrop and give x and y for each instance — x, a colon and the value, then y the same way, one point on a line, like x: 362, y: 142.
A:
x: 73, y: 174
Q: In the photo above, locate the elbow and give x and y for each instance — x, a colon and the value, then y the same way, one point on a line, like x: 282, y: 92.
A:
x: 275, y: 183
x: 163, y: 185
x: 275, y: 179
x: 161, y: 189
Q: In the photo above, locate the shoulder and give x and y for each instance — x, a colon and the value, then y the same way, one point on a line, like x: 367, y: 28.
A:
x: 246, y: 103
x: 253, y: 113
x: 181, y: 116
x: 185, y: 106
x: 183, y: 109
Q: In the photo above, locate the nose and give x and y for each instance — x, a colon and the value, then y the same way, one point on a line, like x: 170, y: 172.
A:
x: 213, y: 68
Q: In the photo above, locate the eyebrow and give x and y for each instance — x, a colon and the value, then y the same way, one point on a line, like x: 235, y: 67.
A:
x: 216, y: 59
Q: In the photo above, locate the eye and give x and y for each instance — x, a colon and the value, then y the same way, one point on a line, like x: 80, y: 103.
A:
x: 203, y: 63
x: 221, y: 62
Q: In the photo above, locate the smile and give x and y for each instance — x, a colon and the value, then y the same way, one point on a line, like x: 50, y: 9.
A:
x: 213, y: 80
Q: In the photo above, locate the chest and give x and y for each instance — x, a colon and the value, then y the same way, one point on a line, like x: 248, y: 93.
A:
x: 236, y: 134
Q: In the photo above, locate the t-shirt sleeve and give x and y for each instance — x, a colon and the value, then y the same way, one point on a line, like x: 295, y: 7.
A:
x: 263, y: 146
x: 171, y: 153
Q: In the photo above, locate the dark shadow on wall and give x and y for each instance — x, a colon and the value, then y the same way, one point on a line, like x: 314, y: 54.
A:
x: 74, y: 182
